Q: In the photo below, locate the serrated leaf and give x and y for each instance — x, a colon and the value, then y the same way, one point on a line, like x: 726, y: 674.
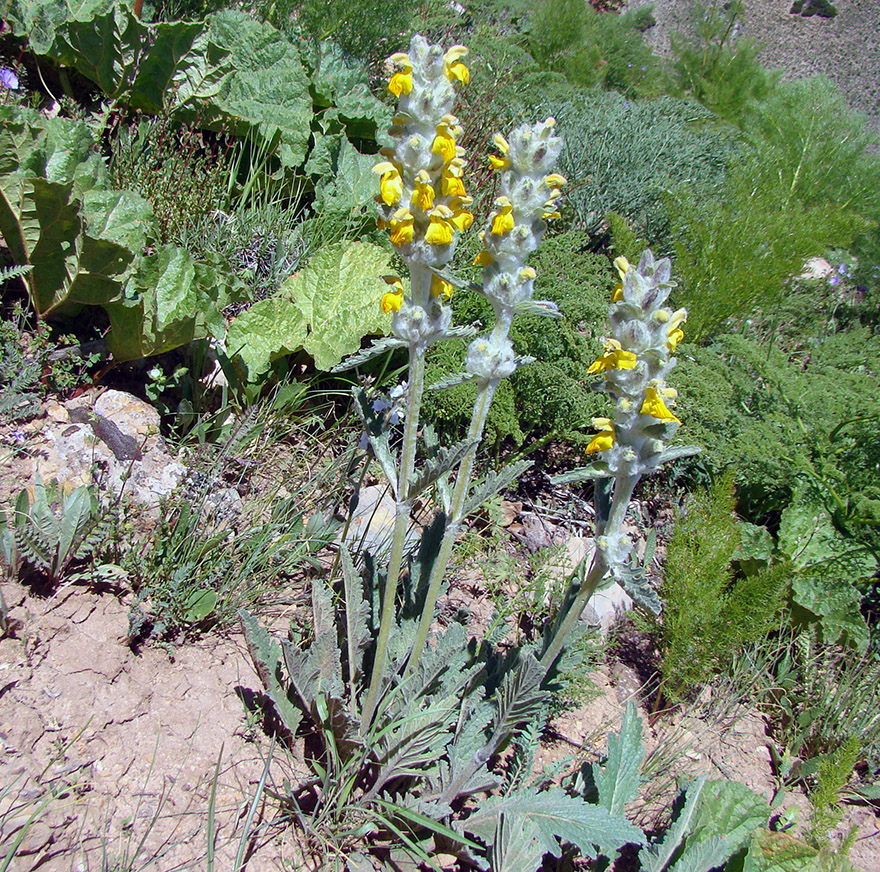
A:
x: 266, y: 656
x: 378, y: 436
x: 780, y: 852
x: 76, y: 514
x: 493, y: 484
x: 634, y: 581
x: 658, y: 855
x: 539, y: 308
x: 592, y: 471
x: 703, y: 857
x: 377, y: 347
x: 519, y: 698
x: 437, y: 466
x: 730, y: 810
x: 617, y: 779
x: 514, y: 848
x: 357, y: 613
x: 553, y: 816
x: 452, y: 381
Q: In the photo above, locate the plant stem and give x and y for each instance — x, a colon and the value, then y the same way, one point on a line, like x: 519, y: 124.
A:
x: 401, y: 524
x: 623, y: 491
x: 485, y: 392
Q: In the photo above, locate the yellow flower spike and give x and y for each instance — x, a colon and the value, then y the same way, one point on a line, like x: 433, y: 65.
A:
x: 604, y: 439
x: 441, y: 229
x: 423, y: 195
x: 483, y: 259
x: 402, y: 229
x: 554, y: 180
x: 441, y: 288
x: 656, y: 408
x: 614, y: 358
x: 454, y: 69
x: 393, y: 299
x: 503, y: 221
x: 401, y: 82
x: 391, y: 183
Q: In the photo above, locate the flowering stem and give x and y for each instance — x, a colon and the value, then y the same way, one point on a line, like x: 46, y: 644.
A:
x: 485, y: 392
x: 401, y: 524
x: 623, y: 491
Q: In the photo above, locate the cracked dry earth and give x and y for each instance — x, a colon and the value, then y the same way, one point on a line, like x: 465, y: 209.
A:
x: 122, y: 747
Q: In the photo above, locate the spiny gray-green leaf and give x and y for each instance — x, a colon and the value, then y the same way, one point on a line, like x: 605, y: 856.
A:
x: 452, y: 381
x: 519, y: 697
x: 656, y: 857
x: 515, y: 848
x: 266, y: 656
x: 316, y: 671
x: 618, y: 778
x: 434, y: 467
x: 554, y: 816
x: 462, y: 331
x: 494, y: 483
x: 457, y: 281
x: 357, y: 613
x: 679, y: 451
x: 76, y: 514
x: 591, y: 471
x: 636, y: 584
x: 323, y: 612
x: 377, y: 347
x: 541, y: 308
x: 523, y: 360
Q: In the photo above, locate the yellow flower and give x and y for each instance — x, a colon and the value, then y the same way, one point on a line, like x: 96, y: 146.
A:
x: 402, y: 229
x: 622, y: 265
x: 423, y: 195
x: 613, y: 358
x: 551, y: 216
x: 444, y: 141
x: 483, y: 259
x: 503, y: 221
x: 604, y: 439
x: 462, y: 219
x: 655, y: 407
x: 554, y: 180
x: 440, y: 230
x: 455, y: 70
x: 451, y: 184
x: 674, y: 333
x: 503, y: 162
x: 401, y: 82
x: 393, y: 299
x: 391, y: 184
x: 440, y: 288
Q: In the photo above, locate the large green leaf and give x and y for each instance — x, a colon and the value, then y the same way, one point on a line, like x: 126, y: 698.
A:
x: 346, y: 176
x: 123, y: 217
x: 269, y: 87
x: 552, y: 816
x: 42, y: 21
x: 169, y: 304
x: 835, y: 602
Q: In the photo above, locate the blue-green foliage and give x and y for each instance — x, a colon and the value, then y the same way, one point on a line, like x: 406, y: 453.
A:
x: 622, y: 155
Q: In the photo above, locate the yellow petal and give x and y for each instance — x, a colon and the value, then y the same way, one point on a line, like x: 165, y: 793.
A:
x: 499, y: 163
x: 554, y: 180
x: 617, y: 293
x: 452, y: 186
x: 655, y: 407
x: 402, y: 229
x: 622, y: 265
x: 501, y: 143
x: 601, y: 441
x: 440, y: 230
x: 400, y: 83
x: 440, y: 288
x: 444, y: 143
x: 462, y: 220
x: 483, y: 259
x: 391, y: 302
x: 457, y: 72
x: 673, y: 338
x: 503, y: 221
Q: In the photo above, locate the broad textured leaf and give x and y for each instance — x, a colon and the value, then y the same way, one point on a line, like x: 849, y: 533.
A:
x: 122, y: 217
x: 270, y: 329
x: 617, y: 779
x: 266, y: 656
x: 269, y: 89
x: 347, y: 180
x: 200, y: 604
x: 836, y: 603
x: 552, y: 816
x: 42, y: 20
x: 339, y: 294
x: 172, y: 305
x: 755, y: 543
x: 730, y: 810
x: 781, y: 852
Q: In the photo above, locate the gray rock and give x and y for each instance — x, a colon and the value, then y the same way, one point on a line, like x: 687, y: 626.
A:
x: 372, y: 524
x: 111, y: 440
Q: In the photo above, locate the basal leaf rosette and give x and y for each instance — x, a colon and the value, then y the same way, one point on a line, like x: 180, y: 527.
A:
x: 636, y: 359
x: 422, y: 199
